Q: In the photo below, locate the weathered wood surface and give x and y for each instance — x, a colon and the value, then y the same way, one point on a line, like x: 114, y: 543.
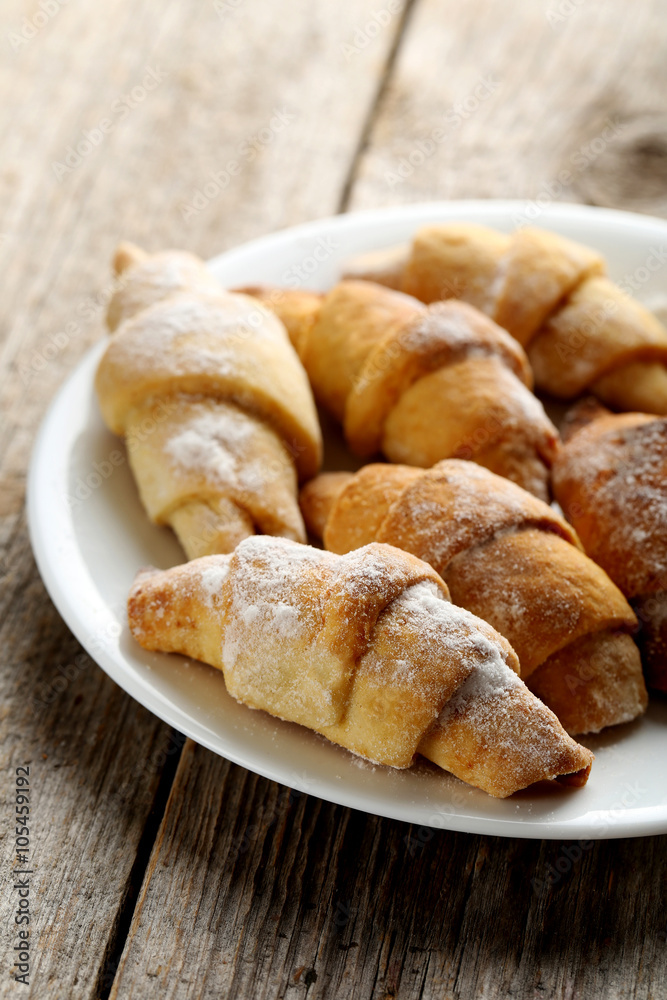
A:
x: 269, y: 87
x: 95, y: 760
x: 523, y: 95
x: 253, y: 892
x: 232, y: 887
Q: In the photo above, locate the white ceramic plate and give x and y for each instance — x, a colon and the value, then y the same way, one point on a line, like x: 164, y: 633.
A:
x: 90, y: 535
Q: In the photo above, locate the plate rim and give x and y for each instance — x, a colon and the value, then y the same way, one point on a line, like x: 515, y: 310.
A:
x: 43, y: 549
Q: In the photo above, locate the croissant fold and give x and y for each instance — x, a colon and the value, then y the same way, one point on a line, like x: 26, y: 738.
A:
x: 365, y: 649
x: 214, y: 405
x: 419, y: 383
x: 509, y: 558
x: 611, y: 481
x: 582, y: 332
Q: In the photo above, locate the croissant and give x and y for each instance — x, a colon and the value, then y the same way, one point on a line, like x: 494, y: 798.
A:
x: 611, y: 480
x: 213, y: 402
x: 421, y: 384
x: 581, y: 331
x: 365, y: 649
x: 508, y: 558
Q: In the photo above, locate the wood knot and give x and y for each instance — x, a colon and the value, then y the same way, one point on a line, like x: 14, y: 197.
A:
x: 630, y: 170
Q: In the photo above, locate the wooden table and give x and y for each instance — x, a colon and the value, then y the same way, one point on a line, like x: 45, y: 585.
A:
x: 160, y: 870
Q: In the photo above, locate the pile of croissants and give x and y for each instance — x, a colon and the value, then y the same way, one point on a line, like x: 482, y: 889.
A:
x: 453, y: 611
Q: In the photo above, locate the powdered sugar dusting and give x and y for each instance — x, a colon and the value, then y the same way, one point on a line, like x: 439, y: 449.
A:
x: 490, y: 675
x: 158, y: 277
x: 286, y: 619
x: 282, y: 592
x: 199, y: 334
x: 498, y: 720
x: 439, y: 628
x: 212, y: 444
x: 278, y: 652
x: 490, y: 680
x: 617, y: 468
x: 457, y: 505
x: 269, y: 594
x: 212, y: 579
x: 449, y: 325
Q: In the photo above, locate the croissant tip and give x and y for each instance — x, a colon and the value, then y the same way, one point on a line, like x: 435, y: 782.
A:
x: 384, y: 267
x: 317, y: 498
x: 254, y: 291
x: 576, y: 779
x: 580, y: 415
x: 127, y: 255
x: 145, y: 571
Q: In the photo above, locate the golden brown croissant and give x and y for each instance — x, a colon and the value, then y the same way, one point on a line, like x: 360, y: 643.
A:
x: 509, y: 558
x: 582, y: 332
x: 367, y: 650
x: 611, y: 480
x: 213, y: 402
x: 418, y: 383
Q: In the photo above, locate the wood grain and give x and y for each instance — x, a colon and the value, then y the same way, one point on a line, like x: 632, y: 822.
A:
x: 274, y: 89
x: 521, y: 95
x: 96, y: 758
x: 255, y: 892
